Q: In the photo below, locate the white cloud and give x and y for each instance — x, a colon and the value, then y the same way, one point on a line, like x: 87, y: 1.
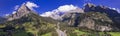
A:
x: 7, y: 14
x: 62, y: 9
x: 47, y: 14
x: 13, y: 12
x: 66, y: 8
x: 118, y: 10
x: 16, y: 7
x: 31, y: 5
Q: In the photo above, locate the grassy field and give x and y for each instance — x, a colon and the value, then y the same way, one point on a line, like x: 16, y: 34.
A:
x: 115, y: 33
x: 21, y: 33
x: 78, y: 32
x: 47, y: 34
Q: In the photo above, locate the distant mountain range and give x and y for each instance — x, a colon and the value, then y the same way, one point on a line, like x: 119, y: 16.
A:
x: 90, y: 18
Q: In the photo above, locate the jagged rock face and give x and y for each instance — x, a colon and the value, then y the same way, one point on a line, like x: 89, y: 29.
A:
x: 88, y: 7
x: 91, y: 24
x: 71, y: 18
x: 91, y: 20
x: 23, y: 10
x: 97, y: 21
x: 88, y: 23
x: 112, y: 14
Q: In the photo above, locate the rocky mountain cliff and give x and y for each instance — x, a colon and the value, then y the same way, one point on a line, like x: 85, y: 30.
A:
x: 91, y: 20
x: 99, y: 18
x: 111, y: 13
x: 22, y: 11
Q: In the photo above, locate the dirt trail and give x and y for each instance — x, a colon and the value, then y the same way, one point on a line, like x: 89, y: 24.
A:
x: 60, y: 32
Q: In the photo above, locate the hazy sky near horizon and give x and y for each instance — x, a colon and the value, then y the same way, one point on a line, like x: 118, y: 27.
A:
x: 42, y: 6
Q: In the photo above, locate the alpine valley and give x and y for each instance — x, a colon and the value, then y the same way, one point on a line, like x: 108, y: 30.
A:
x: 91, y: 20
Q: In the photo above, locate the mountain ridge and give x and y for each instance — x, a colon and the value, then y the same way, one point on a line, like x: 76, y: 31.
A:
x: 112, y: 14
x: 21, y: 11
x: 94, y: 20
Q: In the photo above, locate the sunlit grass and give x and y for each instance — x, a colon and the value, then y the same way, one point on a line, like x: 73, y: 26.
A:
x: 79, y: 32
x: 47, y: 34
x: 2, y: 26
x: 115, y: 33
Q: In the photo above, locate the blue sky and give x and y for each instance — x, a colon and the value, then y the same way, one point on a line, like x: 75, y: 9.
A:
x: 8, y: 6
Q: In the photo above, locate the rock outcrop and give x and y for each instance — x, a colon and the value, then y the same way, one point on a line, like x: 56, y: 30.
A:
x: 23, y: 10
